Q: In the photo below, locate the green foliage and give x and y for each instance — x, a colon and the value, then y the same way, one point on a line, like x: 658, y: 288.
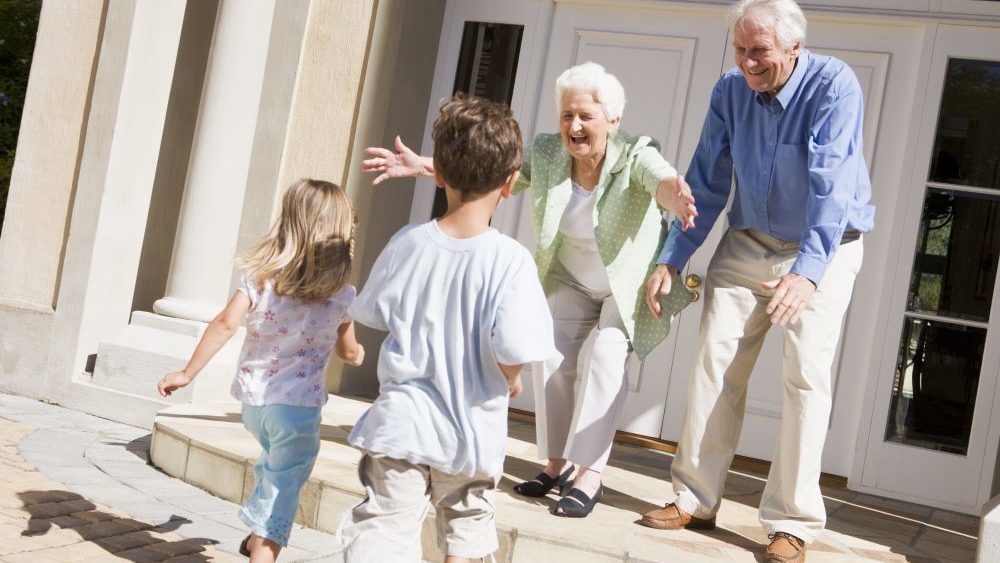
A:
x: 18, y: 26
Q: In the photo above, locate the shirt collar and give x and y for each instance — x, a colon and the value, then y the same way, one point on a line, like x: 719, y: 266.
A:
x: 784, y: 95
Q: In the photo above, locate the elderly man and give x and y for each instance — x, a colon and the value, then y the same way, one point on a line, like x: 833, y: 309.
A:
x: 788, y: 122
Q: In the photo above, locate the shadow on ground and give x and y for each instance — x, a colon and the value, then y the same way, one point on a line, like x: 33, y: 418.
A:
x: 68, y: 514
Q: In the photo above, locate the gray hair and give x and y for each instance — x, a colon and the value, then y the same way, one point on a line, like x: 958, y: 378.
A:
x: 591, y: 77
x: 789, y: 21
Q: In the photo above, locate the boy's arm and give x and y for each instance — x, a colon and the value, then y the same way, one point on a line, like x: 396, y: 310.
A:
x: 218, y: 332
x: 348, y: 348
x: 513, y: 376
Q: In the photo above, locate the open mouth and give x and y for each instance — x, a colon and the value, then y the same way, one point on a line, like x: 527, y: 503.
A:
x: 757, y: 72
x: 578, y: 140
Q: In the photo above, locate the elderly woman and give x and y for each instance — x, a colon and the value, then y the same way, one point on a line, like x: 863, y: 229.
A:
x: 594, y: 191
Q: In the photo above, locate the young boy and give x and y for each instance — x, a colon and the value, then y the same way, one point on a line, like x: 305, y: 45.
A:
x: 464, y: 310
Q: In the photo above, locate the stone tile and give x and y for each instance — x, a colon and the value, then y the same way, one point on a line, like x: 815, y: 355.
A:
x: 161, y: 486
x: 82, y: 551
x: 121, y: 470
x: 308, y: 508
x: 177, y: 548
x: 333, y: 503
x: 956, y: 522
x: 946, y: 545
x: 202, y: 503
x: 83, y: 475
x: 169, y: 453
x: 214, y: 473
x: 526, y: 549
x: 317, y: 543
x: 125, y: 542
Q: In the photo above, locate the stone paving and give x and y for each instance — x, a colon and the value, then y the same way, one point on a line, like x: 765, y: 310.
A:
x: 74, y: 487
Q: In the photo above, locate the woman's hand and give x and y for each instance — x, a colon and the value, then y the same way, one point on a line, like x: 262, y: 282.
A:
x: 675, y: 195
x: 404, y: 163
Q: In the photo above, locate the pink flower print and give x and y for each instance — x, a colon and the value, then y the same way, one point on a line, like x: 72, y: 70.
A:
x: 301, y: 352
x: 245, y: 370
x: 275, y: 349
x: 312, y: 322
x: 327, y: 304
x: 310, y: 340
x: 316, y: 387
x: 255, y: 334
x: 274, y: 362
x: 314, y: 359
x: 272, y: 372
x: 268, y: 315
x: 301, y: 375
x: 283, y: 330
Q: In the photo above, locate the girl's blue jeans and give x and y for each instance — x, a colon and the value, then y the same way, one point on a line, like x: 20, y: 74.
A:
x: 290, y: 438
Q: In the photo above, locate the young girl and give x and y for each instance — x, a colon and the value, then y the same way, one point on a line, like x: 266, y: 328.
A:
x: 296, y: 292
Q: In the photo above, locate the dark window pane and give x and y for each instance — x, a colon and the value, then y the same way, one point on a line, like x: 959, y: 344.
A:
x: 934, y: 391
x: 967, y: 145
x: 955, y: 264
x: 487, y: 64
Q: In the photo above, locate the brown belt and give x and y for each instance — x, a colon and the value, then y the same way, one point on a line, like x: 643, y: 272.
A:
x: 850, y: 236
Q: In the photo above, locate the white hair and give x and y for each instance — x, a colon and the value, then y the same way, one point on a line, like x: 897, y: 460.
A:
x: 789, y: 21
x: 591, y: 77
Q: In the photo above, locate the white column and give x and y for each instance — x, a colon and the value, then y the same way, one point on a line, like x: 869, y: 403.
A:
x: 208, y: 228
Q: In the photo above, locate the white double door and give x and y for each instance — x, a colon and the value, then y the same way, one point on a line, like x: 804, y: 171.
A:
x: 668, y: 57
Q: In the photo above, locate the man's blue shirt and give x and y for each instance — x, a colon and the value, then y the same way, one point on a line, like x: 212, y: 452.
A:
x: 800, y: 171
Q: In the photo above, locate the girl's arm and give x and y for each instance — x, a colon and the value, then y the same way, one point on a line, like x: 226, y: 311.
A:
x: 513, y: 375
x: 219, y: 331
x: 404, y: 163
x: 348, y: 348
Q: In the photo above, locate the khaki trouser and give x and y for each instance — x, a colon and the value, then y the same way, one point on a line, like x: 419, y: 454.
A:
x: 733, y: 326
x: 386, y: 525
x: 584, y: 395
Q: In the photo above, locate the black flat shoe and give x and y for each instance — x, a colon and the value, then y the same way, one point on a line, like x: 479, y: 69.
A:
x: 543, y: 483
x: 576, y: 503
x: 244, y: 550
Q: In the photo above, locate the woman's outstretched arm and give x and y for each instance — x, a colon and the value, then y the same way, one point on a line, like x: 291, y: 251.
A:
x: 404, y: 163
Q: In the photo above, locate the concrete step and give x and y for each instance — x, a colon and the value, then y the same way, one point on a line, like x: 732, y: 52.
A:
x: 207, y: 446
x: 151, y: 346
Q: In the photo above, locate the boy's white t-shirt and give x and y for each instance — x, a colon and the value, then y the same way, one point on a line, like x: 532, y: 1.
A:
x: 287, y: 346
x: 454, y: 309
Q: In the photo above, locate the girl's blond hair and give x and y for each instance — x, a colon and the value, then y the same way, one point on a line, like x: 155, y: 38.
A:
x: 308, y: 252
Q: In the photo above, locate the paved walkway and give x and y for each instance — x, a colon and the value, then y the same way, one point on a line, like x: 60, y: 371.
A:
x: 74, y: 487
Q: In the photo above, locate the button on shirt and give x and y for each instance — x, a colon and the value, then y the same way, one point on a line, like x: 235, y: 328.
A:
x: 800, y: 171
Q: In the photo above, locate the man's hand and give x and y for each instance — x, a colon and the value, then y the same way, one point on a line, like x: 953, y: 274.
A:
x: 404, y: 163
x: 675, y: 195
x: 660, y: 282
x: 791, y: 294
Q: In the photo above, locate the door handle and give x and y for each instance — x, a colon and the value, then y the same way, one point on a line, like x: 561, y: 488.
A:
x: 693, y: 282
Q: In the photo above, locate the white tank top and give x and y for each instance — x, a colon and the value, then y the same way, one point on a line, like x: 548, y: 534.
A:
x: 578, y: 252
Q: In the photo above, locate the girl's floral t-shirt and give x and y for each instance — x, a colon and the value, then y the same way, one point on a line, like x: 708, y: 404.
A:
x: 287, y: 346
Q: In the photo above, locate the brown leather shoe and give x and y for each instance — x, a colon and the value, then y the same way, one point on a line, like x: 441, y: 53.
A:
x: 785, y: 548
x: 673, y: 518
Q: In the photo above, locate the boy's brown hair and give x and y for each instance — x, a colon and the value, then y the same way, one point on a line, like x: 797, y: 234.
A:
x: 477, y: 145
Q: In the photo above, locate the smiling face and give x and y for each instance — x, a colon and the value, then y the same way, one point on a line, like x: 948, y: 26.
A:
x: 583, y: 125
x: 765, y: 63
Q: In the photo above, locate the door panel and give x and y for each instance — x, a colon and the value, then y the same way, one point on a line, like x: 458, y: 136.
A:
x: 667, y: 60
